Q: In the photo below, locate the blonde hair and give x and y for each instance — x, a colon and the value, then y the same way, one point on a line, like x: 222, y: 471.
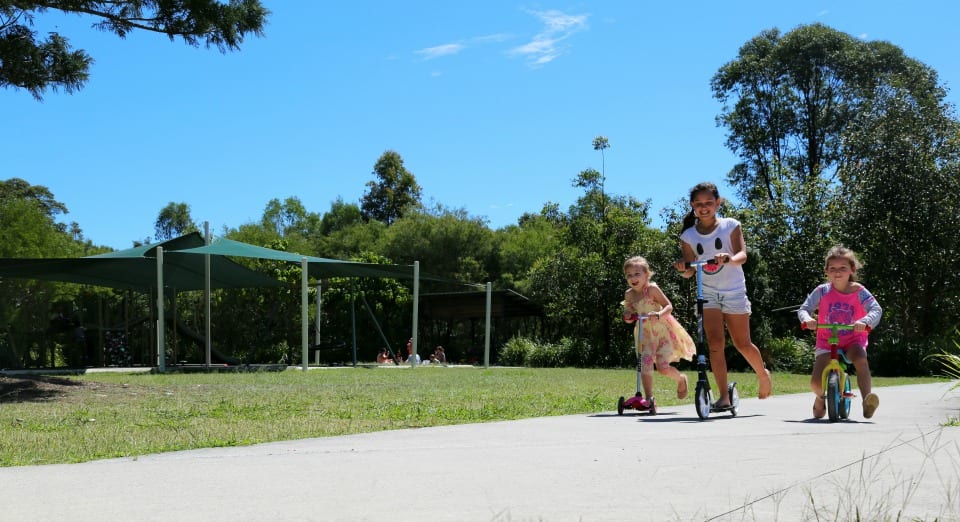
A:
x: 844, y: 253
x: 638, y: 261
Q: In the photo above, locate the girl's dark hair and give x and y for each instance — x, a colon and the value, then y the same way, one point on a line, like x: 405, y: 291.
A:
x: 691, y: 218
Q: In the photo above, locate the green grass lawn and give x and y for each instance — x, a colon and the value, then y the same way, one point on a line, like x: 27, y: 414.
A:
x: 106, y: 415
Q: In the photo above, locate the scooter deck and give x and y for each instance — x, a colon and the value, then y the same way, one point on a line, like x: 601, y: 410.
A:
x: 637, y: 403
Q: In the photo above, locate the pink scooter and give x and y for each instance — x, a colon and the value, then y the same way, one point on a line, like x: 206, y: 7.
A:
x: 637, y: 402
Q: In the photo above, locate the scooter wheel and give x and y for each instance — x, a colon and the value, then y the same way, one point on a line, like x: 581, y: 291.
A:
x: 734, y: 398
x: 702, y: 401
x: 620, y: 406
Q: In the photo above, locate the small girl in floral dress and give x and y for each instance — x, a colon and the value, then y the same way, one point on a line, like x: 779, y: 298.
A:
x: 664, y: 339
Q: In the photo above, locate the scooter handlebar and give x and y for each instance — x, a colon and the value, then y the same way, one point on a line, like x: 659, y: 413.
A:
x: 694, y: 264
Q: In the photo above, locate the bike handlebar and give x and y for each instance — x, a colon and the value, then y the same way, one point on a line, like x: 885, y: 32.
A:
x: 828, y: 326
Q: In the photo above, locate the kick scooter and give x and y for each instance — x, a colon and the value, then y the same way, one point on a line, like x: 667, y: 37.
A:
x: 637, y: 402
x: 703, y: 399
x: 835, y: 381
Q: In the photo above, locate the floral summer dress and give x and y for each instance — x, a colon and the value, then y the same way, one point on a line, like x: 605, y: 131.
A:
x: 664, y: 340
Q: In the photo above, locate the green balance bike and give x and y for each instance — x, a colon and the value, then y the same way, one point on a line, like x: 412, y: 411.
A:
x: 835, y: 381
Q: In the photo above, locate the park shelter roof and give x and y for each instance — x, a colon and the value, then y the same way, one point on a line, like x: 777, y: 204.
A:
x: 136, y: 269
x: 318, y: 267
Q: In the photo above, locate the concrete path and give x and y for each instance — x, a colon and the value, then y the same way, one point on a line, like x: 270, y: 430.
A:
x: 771, y: 462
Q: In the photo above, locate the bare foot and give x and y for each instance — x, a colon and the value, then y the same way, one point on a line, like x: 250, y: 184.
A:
x: 819, y: 408
x: 682, y: 387
x: 766, y: 385
x: 722, y: 402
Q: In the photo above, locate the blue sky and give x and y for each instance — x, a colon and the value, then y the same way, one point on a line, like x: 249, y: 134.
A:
x: 492, y: 105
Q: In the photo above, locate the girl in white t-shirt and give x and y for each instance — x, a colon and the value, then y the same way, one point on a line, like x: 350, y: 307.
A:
x: 708, y: 236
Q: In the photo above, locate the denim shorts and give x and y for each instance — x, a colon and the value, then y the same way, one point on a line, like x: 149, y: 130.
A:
x: 727, y: 302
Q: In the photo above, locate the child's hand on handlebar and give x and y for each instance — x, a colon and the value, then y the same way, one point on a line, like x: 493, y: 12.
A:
x: 809, y: 325
x: 690, y: 266
x: 859, y: 327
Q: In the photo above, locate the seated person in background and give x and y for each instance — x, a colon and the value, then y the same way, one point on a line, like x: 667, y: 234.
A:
x: 439, y: 356
x: 415, y: 357
x: 383, y: 356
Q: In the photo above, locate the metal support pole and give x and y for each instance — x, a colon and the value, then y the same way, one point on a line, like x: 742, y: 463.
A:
x: 304, y: 313
x: 161, y: 342
x: 486, y: 334
x: 416, y: 310
x: 208, y: 348
x: 316, y: 327
x: 353, y: 317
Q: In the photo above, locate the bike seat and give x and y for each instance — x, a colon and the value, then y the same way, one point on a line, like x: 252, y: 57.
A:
x: 843, y: 356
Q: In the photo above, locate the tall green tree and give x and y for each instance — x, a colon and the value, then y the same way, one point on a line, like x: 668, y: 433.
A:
x: 343, y: 232
x: 579, y: 286
x: 601, y: 143
x: 29, y: 61
x: 903, y: 189
x: 28, y: 229
x: 16, y: 188
x: 340, y: 216
x: 291, y: 220
x: 447, y: 242
x: 174, y: 220
x: 520, y: 246
x: 28, y: 222
x: 788, y: 99
x: 351, y: 241
x: 392, y: 193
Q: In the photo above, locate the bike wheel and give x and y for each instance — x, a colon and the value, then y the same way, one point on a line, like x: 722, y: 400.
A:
x: 833, y: 396
x: 845, y: 399
x: 702, y: 400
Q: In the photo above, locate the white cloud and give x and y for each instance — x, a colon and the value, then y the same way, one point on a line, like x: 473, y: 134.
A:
x: 557, y: 21
x: 450, y: 49
x: 546, y: 46
x: 543, y: 48
x: 494, y: 38
x: 440, y: 50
